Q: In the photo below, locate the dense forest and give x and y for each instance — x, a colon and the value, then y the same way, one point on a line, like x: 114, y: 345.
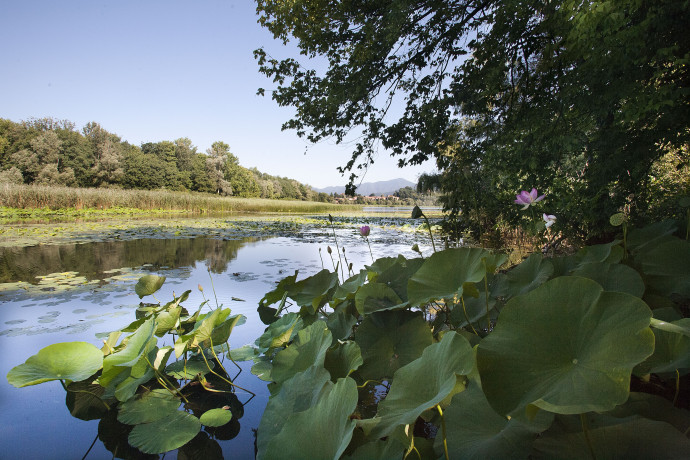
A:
x: 54, y: 152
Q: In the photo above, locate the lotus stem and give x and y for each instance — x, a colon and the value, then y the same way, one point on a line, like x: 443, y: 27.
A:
x: 213, y: 288
x: 467, y: 317
x: 370, y: 253
x: 220, y: 376
x: 675, y: 397
x: 443, y: 428
x: 585, y: 430
x: 428, y: 226
x: 90, y: 447
x: 337, y: 249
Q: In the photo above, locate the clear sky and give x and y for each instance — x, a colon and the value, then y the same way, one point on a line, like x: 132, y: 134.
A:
x: 154, y: 70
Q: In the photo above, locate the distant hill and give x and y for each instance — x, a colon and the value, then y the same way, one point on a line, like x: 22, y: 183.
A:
x: 385, y: 187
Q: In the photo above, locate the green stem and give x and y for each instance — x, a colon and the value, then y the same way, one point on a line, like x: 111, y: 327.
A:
x: 443, y: 428
x: 203, y: 355
x: 585, y: 430
x: 338, y: 249
x: 486, y: 296
x: 467, y: 317
x: 370, y: 253
x: 675, y: 397
x: 213, y: 288
x: 428, y: 226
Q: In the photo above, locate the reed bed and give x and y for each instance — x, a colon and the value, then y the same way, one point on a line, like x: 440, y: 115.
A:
x: 60, y: 198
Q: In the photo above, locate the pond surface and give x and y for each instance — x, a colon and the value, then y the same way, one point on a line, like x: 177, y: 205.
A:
x: 53, y: 293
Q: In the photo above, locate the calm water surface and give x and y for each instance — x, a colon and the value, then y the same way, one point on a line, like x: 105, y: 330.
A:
x: 77, y: 292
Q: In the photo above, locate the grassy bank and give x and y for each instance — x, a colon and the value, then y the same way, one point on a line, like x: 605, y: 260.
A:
x: 31, y: 198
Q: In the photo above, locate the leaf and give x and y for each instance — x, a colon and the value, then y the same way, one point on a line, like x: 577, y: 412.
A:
x: 389, y: 340
x: 374, y: 297
x: 342, y: 360
x: 148, y: 284
x: 149, y: 407
x: 613, y: 277
x: 73, y: 361
x: 309, y: 348
x: 215, y: 417
x: 314, y: 291
x: 84, y: 400
x: 280, y: 332
x: 421, y: 384
x: 189, y: 369
x: 327, y: 422
x: 671, y: 352
x: 567, y: 347
x: 136, y: 345
x: 165, y: 434
x: 666, y: 267
x: 528, y: 275
x: 444, y: 273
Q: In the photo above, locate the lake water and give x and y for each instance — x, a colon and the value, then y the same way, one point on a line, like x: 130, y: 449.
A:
x: 77, y: 292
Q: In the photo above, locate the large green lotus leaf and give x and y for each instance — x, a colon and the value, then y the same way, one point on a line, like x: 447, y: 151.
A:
x: 244, y: 353
x: 221, y: 333
x: 114, y: 434
x: 379, y: 266
x: 476, y: 431
x: 528, y: 275
x: 280, y: 332
x: 347, y: 289
x: 149, y: 407
x: 654, y: 408
x: 641, y: 239
x: 167, y: 320
x: 215, y: 417
x: 327, y: 423
x: 568, y: 347
x: 342, y: 320
x: 136, y: 375
x: 609, y: 252
x: 613, y: 277
x: 61, y: 361
x: 444, y: 273
x: 165, y: 434
x: 201, y: 447
x: 314, y: 291
x: 206, y: 324
x: 421, y: 384
x: 666, y: 267
x: 296, y: 394
x: 671, y: 352
x: 392, y: 448
x: 398, y: 275
x: 343, y: 359
x: 629, y: 438
x: 374, y: 297
x: 262, y: 368
x: 136, y: 346
x: 474, y: 310
x: 84, y: 400
x: 389, y: 340
x: 285, y: 285
x: 309, y: 348
x: 563, y: 265
x: 188, y: 369
x: 148, y: 284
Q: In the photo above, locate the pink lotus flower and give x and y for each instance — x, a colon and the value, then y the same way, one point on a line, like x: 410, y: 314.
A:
x: 527, y: 199
x: 364, y: 231
x: 550, y: 219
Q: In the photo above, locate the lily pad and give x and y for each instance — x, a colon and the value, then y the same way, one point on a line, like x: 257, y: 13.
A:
x: 567, y: 347
x: 72, y: 361
x: 149, y: 407
x: 189, y: 369
x: 165, y: 434
x: 148, y: 284
x: 216, y: 417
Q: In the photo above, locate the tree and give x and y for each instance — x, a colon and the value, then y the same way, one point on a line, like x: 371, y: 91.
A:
x: 216, y: 166
x: 575, y: 98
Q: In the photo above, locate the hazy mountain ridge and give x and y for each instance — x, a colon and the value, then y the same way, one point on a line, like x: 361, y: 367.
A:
x: 385, y: 187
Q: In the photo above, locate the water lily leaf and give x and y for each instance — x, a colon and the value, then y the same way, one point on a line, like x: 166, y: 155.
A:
x: 667, y: 267
x: 374, y: 297
x: 476, y: 431
x: 389, y: 340
x: 671, y: 352
x: 613, y: 277
x: 567, y: 347
x: 215, y: 417
x: 444, y: 273
x: 296, y: 394
x: 528, y: 275
x: 629, y: 438
x: 316, y: 290
x: 165, y: 434
x: 189, y: 369
x: 343, y: 359
x: 309, y: 348
x: 421, y: 384
x: 149, y: 407
x: 61, y: 361
x: 148, y: 284
x: 84, y: 400
x: 328, y: 423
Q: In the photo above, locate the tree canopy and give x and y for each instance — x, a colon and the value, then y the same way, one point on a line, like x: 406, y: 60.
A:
x: 576, y: 98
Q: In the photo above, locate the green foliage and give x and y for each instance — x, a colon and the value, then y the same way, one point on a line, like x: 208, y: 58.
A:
x: 61, y: 361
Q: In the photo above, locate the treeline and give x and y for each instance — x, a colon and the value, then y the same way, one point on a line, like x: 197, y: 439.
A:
x: 46, y: 151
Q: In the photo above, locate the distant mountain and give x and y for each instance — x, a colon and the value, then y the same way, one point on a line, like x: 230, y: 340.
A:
x: 385, y: 187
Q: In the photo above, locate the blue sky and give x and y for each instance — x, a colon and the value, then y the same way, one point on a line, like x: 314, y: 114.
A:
x: 153, y: 70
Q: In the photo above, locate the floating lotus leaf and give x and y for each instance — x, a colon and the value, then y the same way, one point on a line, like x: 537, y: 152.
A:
x: 671, y: 352
x: 374, y: 297
x: 148, y: 284
x: 444, y: 273
x: 149, y: 407
x: 628, y: 438
x: 667, y: 267
x: 613, y: 277
x: 528, y: 275
x: 215, y: 417
x: 421, y: 384
x: 389, y: 340
x: 296, y: 395
x: 476, y: 431
x: 189, y: 369
x: 343, y: 359
x: 309, y: 348
x: 61, y: 361
x: 567, y: 347
x: 84, y: 400
x: 165, y: 434
x: 327, y: 422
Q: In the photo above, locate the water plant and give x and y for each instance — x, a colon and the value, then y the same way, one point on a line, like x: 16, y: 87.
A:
x: 154, y: 396
x: 583, y: 355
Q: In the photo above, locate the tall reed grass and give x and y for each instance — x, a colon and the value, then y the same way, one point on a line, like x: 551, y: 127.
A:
x: 56, y: 198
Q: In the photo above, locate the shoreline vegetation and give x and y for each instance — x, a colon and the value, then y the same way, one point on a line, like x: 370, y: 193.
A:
x: 21, y: 201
